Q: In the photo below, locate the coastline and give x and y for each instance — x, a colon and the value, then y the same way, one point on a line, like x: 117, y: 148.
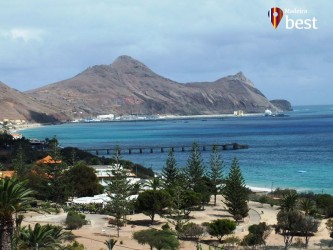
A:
x: 25, y: 126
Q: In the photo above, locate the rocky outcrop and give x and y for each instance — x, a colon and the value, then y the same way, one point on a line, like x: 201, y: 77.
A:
x: 284, y: 105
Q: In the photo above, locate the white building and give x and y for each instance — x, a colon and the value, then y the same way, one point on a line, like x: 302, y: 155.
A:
x: 105, y: 174
x: 108, y: 117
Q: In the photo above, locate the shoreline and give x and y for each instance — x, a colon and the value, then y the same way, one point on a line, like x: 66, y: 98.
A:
x: 22, y: 127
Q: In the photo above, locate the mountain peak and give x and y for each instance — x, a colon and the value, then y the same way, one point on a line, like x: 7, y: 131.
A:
x: 241, y: 77
x: 126, y: 63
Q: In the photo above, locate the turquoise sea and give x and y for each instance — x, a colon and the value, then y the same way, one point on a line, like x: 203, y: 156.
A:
x: 294, y: 151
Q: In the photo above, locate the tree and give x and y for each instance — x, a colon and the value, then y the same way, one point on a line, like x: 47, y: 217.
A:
x: 287, y: 225
x: 221, y: 227
x: 307, y: 227
x: 194, y: 169
x: 14, y: 197
x: 289, y: 201
x: 291, y: 223
x: 183, y: 202
x: 110, y: 243
x: 204, y: 189
x: 155, y: 238
x: 45, y: 237
x: 154, y: 183
x: 216, y: 171
x: 119, y: 190
x: 258, y: 234
x: 169, y: 170
x: 235, y: 192
x: 19, y: 162
x: 153, y: 202
x: 81, y: 180
x: 192, y: 231
x: 307, y: 206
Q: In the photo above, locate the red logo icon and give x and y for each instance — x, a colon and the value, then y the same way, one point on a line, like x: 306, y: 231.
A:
x: 275, y: 14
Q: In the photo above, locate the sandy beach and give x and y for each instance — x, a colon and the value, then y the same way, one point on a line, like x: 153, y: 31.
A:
x: 97, y: 231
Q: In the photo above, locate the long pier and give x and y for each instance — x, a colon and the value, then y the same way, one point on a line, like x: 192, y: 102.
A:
x: 162, y: 149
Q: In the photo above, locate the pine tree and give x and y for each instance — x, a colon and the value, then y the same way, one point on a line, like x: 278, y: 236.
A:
x: 195, y: 169
x: 19, y: 162
x: 216, y: 171
x: 119, y: 190
x: 170, y: 171
x: 235, y: 192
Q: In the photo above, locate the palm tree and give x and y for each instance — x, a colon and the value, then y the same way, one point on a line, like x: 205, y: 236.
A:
x: 110, y: 243
x: 154, y: 183
x: 46, y: 236
x: 307, y: 206
x: 289, y: 202
x: 14, y: 197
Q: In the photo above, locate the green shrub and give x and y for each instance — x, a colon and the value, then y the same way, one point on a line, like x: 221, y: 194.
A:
x: 74, y: 220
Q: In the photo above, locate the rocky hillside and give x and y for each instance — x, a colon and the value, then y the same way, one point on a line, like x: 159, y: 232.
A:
x: 127, y: 86
x: 15, y: 105
x: 284, y: 105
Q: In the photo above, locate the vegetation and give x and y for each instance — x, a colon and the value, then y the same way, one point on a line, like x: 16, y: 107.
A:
x: 110, y: 243
x: 170, y: 171
x: 221, y: 227
x: 119, y: 190
x: 216, y: 171
x: 14, y: 198
x: 235, y: 193
x: 81, y: 181
x: 45, y: 237
x: 75, y: 220
x: 152, y: 202
x: 180, y: 193
x: 157, y: 239
x: 195, y: 170
x: 258, y: 234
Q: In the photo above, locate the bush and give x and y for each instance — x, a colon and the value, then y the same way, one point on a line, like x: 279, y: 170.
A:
x: 74, y: 220
x: 166, y: 226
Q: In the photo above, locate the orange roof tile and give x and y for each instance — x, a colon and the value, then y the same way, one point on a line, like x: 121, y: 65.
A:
x: 48, y: 160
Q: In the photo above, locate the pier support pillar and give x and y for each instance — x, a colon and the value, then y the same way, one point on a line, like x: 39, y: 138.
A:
x: 129, y: 151
x: 151, y: 150
x: 162, y: 150
x: 183, y: 149
x: 140, y: 150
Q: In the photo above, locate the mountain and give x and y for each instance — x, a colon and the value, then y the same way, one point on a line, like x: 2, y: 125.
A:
x: 15, y: 105
x: 284, y: 105
x: 127, y: 86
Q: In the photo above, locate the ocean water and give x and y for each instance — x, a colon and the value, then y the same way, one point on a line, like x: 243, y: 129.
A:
x: 287, y: 152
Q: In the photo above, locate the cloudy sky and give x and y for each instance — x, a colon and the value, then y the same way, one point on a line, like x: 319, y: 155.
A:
x: 45, y: 41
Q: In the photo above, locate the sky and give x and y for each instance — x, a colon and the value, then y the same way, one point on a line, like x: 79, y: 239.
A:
x: 45, y: 41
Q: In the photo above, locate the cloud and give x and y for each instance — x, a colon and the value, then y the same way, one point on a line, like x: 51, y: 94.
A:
x: 25, y: 34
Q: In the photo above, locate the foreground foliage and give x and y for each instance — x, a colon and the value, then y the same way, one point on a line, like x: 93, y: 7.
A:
x: 14, y: 198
